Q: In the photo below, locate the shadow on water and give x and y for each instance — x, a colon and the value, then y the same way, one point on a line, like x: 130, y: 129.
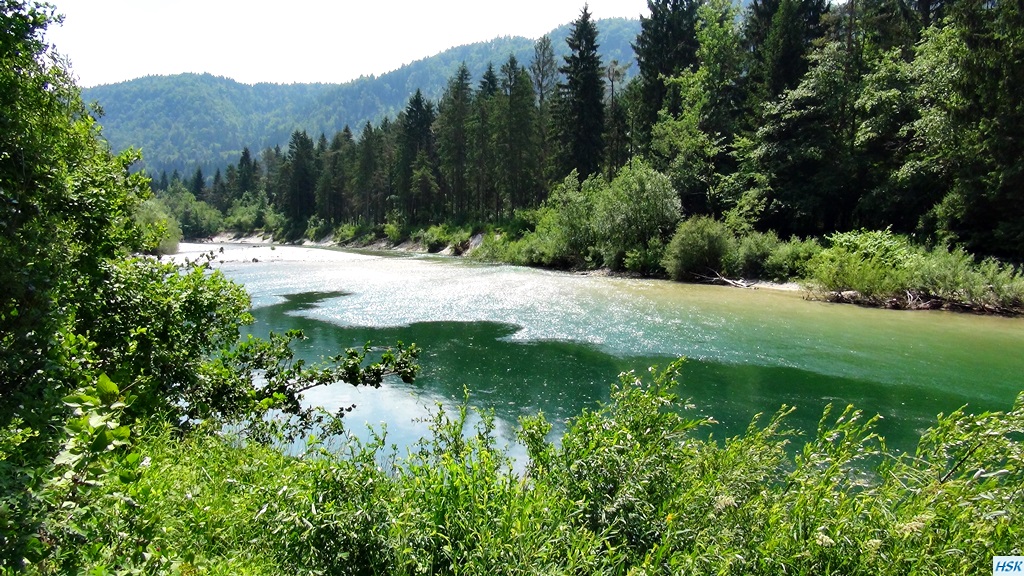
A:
x: 561, y: 378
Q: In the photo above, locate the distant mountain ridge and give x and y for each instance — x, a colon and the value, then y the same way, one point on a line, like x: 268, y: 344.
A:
x: 188, y: 120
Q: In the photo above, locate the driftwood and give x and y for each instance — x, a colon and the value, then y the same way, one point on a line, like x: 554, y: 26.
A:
x: 718, y: 278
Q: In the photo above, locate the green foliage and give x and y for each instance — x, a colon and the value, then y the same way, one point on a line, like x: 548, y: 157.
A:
x: 753, y: 253
x: 701, y: 247
x: 196, y: 218
x: 161, y: 231
x: 441, y: 236
x: 881, y: 267
x: 790, y: 259
x: 634, y: 486
x: 639, y: 207
x: 253, y: 212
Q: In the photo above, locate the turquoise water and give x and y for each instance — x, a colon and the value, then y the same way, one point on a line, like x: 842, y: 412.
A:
x: 522, y: 340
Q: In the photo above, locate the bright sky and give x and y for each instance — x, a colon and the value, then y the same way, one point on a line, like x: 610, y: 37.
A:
x: 287, y: 41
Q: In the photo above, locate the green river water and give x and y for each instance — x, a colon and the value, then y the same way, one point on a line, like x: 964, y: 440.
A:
x: 523, y: 340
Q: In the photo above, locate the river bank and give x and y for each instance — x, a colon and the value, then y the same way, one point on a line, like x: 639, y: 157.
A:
x: 262, y: 248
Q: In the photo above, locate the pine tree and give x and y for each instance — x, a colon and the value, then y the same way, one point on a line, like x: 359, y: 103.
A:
x: 580, y: 123
x: 301, y: 176
x: 416, y: 136
x: 452, y: 129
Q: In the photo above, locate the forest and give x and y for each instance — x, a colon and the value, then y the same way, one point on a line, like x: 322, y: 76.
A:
x: 140, y: 434
x: 784, y: 125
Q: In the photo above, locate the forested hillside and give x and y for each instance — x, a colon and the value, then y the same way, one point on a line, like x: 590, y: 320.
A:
x: 189, y: 120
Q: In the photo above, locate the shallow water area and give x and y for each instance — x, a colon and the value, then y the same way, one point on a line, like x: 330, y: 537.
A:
x: 522, y: 340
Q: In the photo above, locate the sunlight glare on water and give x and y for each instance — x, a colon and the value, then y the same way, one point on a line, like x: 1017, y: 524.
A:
x: 525, y: 339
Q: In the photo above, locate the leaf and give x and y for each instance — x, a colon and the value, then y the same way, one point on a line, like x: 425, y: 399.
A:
x: 107, y: 390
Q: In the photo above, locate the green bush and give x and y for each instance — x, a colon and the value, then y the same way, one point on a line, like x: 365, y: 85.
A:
x: 790, y: 259
x: 700, y: 247
x: 635, y: 485
x: 874, y: 264
x: 317, y: 228
x: 646, y: 260
x: 639, y: 206
x: 395, y: 232
x: 160, y: 230
x: 350, y: 231
x: 752, y: 254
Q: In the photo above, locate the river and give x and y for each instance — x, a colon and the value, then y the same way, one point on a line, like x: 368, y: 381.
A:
x: 523, y: 340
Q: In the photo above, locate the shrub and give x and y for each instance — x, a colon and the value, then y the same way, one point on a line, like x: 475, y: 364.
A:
x: 875, y: 264
x: 317, y: 228
x: 395, y: 231
x: 753, y: 253
x: 646, y: 260
x: 790, y: 259
x: 700, y: 246
x: 638, y: 206
x: 161, y: 232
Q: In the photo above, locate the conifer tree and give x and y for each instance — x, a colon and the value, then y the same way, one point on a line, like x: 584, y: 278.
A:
x: 666, y: 46
x: 580, y: 123
x: 452, y: 129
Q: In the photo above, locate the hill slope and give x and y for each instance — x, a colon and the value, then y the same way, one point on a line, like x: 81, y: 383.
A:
x: 188, y: 120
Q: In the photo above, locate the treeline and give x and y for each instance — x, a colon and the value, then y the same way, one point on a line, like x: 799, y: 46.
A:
x: 800, y: 117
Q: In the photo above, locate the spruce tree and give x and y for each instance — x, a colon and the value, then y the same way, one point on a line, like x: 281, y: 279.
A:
x: 452, y: 129
x: 580, y: 122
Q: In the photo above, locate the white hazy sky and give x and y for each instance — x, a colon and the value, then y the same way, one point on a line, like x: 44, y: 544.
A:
x: 289, y: 41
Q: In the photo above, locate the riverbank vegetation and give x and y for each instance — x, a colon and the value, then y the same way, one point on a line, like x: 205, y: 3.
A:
x: 791, y: 119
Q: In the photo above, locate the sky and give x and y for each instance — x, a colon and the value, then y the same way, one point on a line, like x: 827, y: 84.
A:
x: 286, y: 41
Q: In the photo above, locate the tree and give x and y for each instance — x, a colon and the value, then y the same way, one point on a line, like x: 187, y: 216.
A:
x: 56, y: 231
x: 300, y: 174
x: 666, y: 46
x: 416, y: 137
x: 580, y: 114
x: 248, y: 170
x: 968, y: 134
x: 197, y: 186
x: 483, y: 151
x: 544, y: 73
x: 778, y: 35
x: 517, y: 140
x: 692, y: 145
x: 332, y: 188
x: 452, y: 133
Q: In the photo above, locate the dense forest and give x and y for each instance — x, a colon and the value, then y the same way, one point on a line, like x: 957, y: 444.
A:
x: 188, y: 120
x: 139, y: 434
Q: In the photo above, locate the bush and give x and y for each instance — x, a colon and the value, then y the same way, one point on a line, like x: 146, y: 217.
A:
x: 639, y: 206
x: 395, y: 230
x: 317, y: 228
x: 700, y: 247
x: 161, y: 232
x: 875, y: 264
x: 790, y: 259
x: 646, y: 260
x: 350, y: 231
x: 753, y: 253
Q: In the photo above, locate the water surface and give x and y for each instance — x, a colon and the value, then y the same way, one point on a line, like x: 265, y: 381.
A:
x: 522, y: 340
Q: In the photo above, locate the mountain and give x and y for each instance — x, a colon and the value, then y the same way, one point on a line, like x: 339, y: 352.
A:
x: 188, y: 120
